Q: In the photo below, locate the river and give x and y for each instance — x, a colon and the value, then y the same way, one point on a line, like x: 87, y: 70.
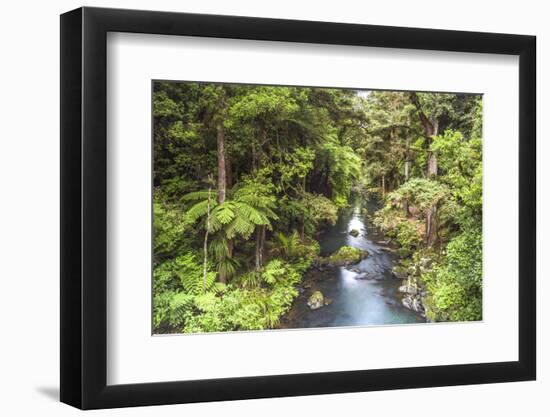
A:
x: 354, y: 302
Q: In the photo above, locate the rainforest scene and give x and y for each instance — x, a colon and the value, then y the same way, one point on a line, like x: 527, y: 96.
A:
x: 281, y: 207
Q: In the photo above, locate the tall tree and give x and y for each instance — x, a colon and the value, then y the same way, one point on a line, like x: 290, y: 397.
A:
x: 431, y: 129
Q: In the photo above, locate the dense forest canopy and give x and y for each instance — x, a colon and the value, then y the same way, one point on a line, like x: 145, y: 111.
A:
x: 247, y: 177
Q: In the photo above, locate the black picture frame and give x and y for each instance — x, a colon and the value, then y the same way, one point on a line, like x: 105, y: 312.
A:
x: 84, y: 207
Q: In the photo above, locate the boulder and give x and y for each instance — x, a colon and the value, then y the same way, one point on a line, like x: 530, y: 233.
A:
x: 408, y: 289
x: 369, y: 276
x: 414, y: 303
x: 344, y: 256
x: 316, y: 300
x: 417, y: 305
x: 354, y: 232
x: 407, y: 302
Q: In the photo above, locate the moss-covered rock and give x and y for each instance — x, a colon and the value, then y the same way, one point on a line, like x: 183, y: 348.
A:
x: 316, y: 300
x: 354, y: 232
x: 346, y: 255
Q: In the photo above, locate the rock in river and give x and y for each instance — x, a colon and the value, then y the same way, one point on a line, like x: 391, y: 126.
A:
x: 369, y: 276
x: 354, y: 232
x: 316, y: 300
x: 346, y: 255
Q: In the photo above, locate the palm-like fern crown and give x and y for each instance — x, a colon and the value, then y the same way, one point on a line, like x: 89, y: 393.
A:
x: 237, y: 216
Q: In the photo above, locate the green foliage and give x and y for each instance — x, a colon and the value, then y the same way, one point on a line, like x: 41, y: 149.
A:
x: 408, y: 232
x: 273, y: 271
x: 185, y: 270
x: 168, y: 228
x: 344, y: 168
x: 175, y: 283
x: 420, y: 192
x: 257, y: 305
x: 287, y: 246
x: 461, y: 166
x: 455, y: 284
x: 408, y: 235
x: 319, y: 211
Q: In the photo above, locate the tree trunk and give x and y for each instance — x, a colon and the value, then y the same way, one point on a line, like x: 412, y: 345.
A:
x: 262, y: 246
x: 432, y: 160
x: 383, y: 185
x: 431, y: 226
x: 221, y: 162
x: 407, y: 174
x: 260, y: 238
x: 406, y: 207
x: 230, y: 247
x: 222, y: 182
x: 205, y: 247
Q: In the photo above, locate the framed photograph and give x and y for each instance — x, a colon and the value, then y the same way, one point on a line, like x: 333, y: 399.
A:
x: 257, y: 208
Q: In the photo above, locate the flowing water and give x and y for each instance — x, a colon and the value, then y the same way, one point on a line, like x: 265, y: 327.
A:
x: 361, y: 294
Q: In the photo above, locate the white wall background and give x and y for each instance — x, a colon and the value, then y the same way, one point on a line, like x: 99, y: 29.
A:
x: 29, y: 225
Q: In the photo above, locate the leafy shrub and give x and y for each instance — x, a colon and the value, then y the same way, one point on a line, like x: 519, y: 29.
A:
x: 255, y: 301
x: 169, y: 227
x: 408, y: 232
x: 455, y: 282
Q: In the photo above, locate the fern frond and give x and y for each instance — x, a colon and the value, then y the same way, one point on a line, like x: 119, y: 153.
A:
x: 274, y: 270
x: 206, y: 302
x: 215, y: 224
x: 224, y: 213
x: 198, y: 195
x: 219, y: 288
x: 180, y: 304
x: 197, y: 211
x: 239, y: 226
x: 193, y: 283
x: 251, y: 214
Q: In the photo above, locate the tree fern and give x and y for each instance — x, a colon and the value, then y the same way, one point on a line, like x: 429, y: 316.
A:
x: 287, y: 246
x: 180, y: 304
